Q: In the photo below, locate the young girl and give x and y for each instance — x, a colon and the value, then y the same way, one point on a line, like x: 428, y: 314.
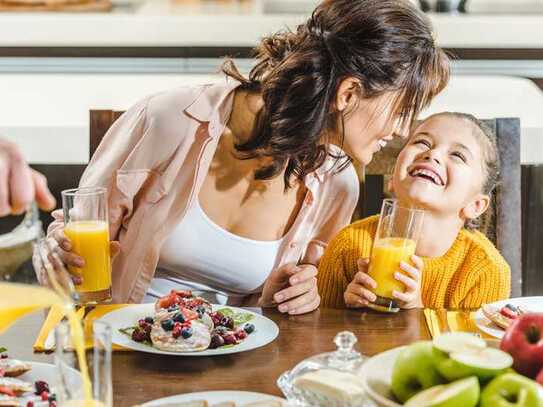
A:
x: 449, y: 168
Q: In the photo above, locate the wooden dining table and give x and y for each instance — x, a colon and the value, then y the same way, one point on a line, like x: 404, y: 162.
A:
x: 140, y: 377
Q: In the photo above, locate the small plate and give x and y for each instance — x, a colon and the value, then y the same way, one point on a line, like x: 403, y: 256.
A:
x: 531, y: 304
x: 265, y: 331
x: 214, y: 397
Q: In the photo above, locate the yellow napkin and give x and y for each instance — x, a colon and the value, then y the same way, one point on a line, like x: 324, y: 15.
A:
x: 56, y: 314
x: 441, y: 321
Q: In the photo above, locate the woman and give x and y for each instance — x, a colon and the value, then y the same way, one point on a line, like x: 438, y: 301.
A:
x: 236, y: 188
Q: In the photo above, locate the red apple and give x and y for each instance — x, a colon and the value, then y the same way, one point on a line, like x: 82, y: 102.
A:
x: 524, y: 341
x: 539, y: 377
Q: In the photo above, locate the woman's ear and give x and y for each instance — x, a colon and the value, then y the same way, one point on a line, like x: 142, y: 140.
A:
x: 476, y: 207
x: 348, y: 93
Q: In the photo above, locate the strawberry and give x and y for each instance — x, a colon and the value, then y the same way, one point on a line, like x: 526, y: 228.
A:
x: 7, y: 391
x: 508, y: 313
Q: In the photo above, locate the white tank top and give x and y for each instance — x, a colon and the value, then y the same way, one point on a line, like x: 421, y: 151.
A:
x: 219, y: 265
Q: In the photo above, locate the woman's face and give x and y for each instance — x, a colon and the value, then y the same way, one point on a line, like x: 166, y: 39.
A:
x: 368, y: 125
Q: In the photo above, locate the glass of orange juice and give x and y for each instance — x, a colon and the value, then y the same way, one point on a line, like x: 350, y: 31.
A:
x: 72, y: 391
x: 395, y: 241
x: 86, y: 225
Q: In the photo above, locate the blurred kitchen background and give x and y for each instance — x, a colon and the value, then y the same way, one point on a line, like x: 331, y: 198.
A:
x: 61, y: 58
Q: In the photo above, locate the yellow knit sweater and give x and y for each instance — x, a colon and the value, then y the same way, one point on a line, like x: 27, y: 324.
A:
x: 471, y: 273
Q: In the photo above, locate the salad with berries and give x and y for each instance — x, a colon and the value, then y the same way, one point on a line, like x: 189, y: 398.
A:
x: 183, y: 322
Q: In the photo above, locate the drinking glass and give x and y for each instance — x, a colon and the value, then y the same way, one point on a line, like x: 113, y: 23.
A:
x: 86, y: 225
x: 395, y: 241
x: 71, y: 391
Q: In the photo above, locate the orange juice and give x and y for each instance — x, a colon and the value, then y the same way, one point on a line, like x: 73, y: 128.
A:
x: 17, y: 300
x: 386, y: 256
x: 90, y: 240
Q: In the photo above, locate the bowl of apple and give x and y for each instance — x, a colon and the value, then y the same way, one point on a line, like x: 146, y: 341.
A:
x: 455, y: 369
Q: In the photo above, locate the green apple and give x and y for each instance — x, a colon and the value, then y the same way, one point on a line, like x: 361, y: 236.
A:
x: 454, y: 342
x: 463, y: 393
x: 512, y: 390
x: 414, y: 371
x: 485, y: 364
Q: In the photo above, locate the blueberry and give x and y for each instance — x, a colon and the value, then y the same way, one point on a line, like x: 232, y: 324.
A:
x: 179, y: 317
x: 249, y: 328
x: 512, y: 307
x: 149, y: 320
x: 201, y: 311
x: 167, y: 324
x: 52, y: 397
x: 186, y: 333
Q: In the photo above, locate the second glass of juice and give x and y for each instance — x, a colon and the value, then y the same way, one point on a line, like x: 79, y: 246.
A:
x: 395, y: 241
x: 86, y: 225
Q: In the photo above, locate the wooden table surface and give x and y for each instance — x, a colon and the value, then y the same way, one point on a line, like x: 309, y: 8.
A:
x: 140, y: 377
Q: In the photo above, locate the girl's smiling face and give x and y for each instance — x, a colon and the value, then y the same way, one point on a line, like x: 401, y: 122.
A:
x: 442, y: 169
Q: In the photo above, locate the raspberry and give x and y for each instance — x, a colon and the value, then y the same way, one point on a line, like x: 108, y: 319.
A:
x: 41, y: 387
x: 240, y: 334
x: 44, y: 396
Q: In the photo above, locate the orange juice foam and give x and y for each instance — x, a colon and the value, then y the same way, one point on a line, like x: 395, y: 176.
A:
x: 386, y: 255
x: 90, y: 240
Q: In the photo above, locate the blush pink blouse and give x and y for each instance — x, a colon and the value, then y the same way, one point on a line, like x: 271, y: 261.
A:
x: 153, y: 162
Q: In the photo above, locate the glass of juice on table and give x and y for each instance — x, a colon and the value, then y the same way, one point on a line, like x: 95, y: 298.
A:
x: 395, y: 241
x: 98, y: 390
x: 86, y: 225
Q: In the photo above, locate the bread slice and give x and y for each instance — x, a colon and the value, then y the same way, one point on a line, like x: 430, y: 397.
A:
x: 8, y: 401
x: 14, y: 367
x: 225, y: 404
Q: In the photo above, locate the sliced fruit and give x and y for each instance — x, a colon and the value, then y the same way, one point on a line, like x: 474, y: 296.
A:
x: 414, y: 371
x: 458, y: 342
x: 485, y: 364
x: 510, y: 390
x: 463, y: 393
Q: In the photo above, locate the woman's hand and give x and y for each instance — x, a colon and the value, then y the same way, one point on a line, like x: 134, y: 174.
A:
x: 292, y: 288
x: 358, y: 293
x: 411, y: 278
x: 61, y: 256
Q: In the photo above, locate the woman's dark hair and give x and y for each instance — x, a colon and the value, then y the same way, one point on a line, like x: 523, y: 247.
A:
x: 386, y: 44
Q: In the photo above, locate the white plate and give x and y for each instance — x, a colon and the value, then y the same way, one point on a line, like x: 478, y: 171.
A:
x: 376, y: 375
x: 214, y: 397
x: 532, y: 304
x: 265, y: 331
x: 49, y: 373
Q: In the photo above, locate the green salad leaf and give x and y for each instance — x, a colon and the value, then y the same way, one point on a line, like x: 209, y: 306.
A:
x: 239, y: 318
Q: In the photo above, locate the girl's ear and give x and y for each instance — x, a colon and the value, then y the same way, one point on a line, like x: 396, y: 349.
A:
x: 476, y: 207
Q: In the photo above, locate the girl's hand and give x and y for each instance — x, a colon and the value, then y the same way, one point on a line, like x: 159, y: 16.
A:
x: 411, y: 298
x: 358, y: 293
x: 292, y: 288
